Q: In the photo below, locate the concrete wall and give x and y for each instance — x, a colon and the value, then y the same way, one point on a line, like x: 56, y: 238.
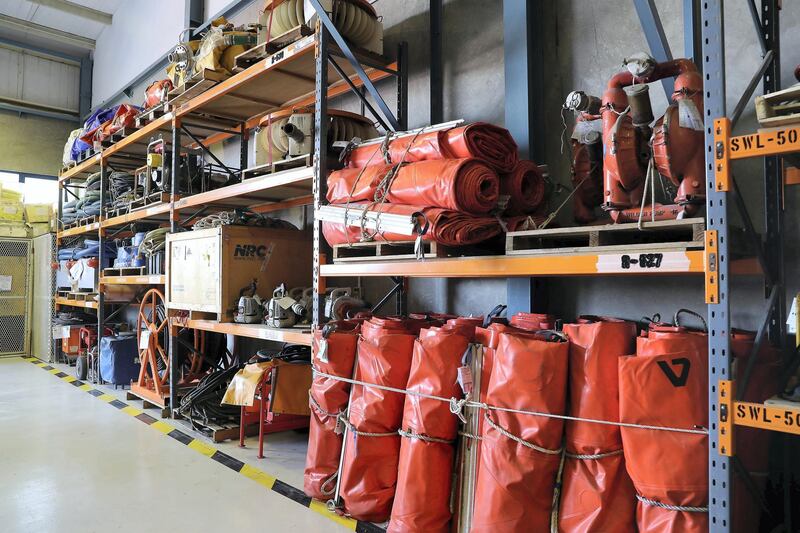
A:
x: 585, y: 42
x: 32, y: 144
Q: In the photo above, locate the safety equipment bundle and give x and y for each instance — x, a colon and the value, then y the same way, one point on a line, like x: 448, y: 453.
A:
x: 334, y: 349
x: 666, y: 384
x: 596, y: 493
x: 520, y: 454
x: 372, y: 444
x: 458, y: 178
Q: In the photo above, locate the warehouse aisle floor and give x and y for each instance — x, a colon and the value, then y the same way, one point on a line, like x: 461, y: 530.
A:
x: 72, y: 463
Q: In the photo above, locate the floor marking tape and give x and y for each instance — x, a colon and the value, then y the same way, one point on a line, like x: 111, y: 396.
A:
x: 264, y: 479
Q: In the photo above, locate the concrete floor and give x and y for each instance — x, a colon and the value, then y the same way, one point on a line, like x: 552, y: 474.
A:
x: 72, y: 463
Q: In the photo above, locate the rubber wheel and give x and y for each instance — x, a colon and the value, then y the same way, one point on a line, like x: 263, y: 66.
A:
x: 81, y: 367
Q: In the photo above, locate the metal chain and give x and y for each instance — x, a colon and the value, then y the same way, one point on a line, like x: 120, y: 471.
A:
x: 477, y: 405
x: 411, y: 435
x: 668, y: 507
x: 513, y: 437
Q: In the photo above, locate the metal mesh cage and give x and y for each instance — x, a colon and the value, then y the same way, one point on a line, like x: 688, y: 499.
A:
x: 15, y: 286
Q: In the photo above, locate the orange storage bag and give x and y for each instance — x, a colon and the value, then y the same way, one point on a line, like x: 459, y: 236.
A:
x: 334, y: 352
x: 520, y: 453
x: 372, y: 447
x: 422, y: 502
x: 596, y: 493
x: 666, y: 384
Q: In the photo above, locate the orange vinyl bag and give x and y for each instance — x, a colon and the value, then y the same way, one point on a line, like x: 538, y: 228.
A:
x: 422, y: 502
x: 372, y: 444
x: 520, y: 453
x: 524, y: 187
x: 334, y: 349
x: 752, y: 445
x: 666, y: 384
x: 466, y: 185
x: 480, y: 140
x: 596, y: 493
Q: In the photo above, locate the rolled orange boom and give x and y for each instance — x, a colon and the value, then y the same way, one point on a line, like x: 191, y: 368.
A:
x: 492, y: 144
x: 466, y: 185
x: 447, y: 227
x: 524, y: 187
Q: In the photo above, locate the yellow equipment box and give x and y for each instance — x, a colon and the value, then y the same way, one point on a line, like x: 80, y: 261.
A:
x: 11, y: 211
x: 38, y: 213
x: 207, y: 268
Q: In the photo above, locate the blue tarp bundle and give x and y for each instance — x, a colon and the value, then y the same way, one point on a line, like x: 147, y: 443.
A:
x: 119, y: 359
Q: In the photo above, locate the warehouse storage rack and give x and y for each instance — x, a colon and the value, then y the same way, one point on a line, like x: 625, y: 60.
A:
x: 704, y: 37
x: 305, y: 73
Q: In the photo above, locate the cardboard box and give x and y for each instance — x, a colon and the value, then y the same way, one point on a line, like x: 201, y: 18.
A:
x: 38, y: 213
x: 11, y: 212
x: 38, y: 228
x: 10, y: 229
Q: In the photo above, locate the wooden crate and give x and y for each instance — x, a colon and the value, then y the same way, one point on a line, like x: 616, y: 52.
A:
x: 660, y: 235
x: 278, y: 166
x: 780, y: 108
x: 207, y: 268
x: 252, y: 56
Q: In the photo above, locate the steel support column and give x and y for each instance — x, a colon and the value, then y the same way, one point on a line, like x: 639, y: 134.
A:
x: 172, y: 349
x: 656, y: 39
x: 436, y: 69
x: 692, y: 41
x: 719, y: 466
x: 193, y: 15
x: 773, y: 178
x: 524, y: 84
x: 101, y: 298
x: 320, y: 184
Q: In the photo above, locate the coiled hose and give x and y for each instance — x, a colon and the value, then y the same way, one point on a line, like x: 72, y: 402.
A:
x: 154, y: 241
x: 355, y: 23
x: 204, y: 403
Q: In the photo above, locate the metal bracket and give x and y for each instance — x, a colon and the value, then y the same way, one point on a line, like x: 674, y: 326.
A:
x: 722, y: 168
x: 725, y: 427
x: 712, y: 266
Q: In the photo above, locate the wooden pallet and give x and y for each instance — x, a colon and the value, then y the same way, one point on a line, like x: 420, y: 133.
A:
x: 87, y: 221
x: 278, y: 166
x: 87, y: 154
x: 82, y: 296
x: 660, y: 235
x: 125, y: 271
x: 401, y: 250
x: 781, y: 108
x: 221, y: 433
x: 115, y: 137
x: 147, y: 404
x: 252, y: 56
x: 152, y: 199
x: 151, y: 114
x: 197, y: 84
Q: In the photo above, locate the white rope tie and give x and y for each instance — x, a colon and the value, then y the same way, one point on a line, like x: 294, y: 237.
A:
x: 519, y: 440
x: 411, y: 435
x: 470, y: 435
x: 317, y: 407
x: 352, y: 429
x: 477, y: 405
x: 668, y: 507
x: 593, y: 456
x: 329, y: 487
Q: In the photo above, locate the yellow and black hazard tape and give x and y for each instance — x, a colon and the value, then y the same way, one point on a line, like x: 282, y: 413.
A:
x: 264, y: 479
